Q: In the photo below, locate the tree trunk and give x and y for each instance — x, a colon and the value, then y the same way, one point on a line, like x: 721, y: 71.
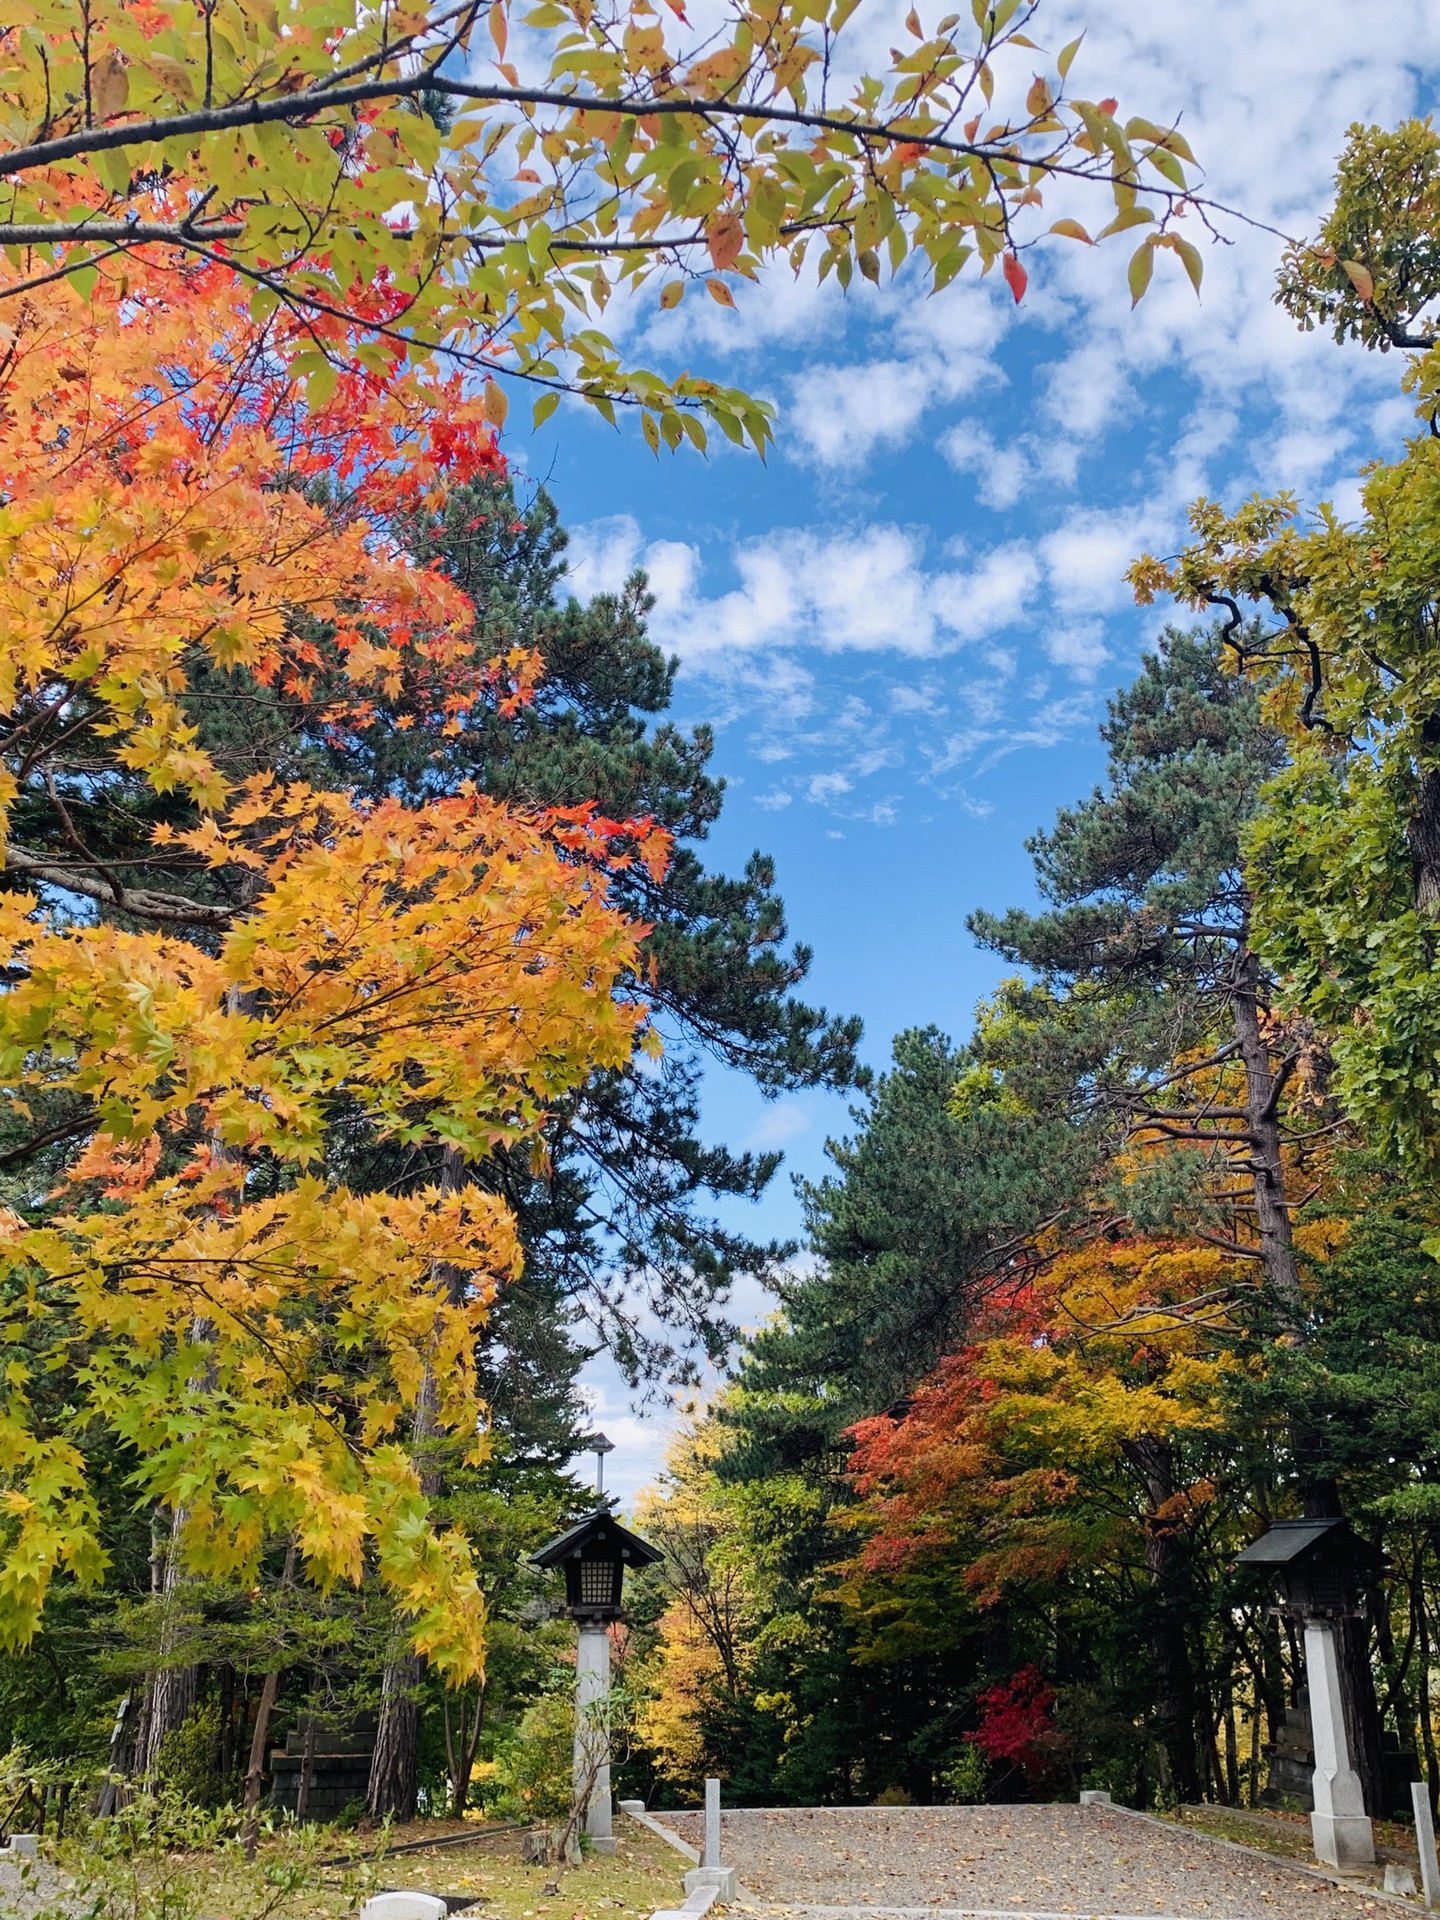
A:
x: 1252, y: 1787
x: 1232, y: 1747
x: 1267, y: 1165
x: 462, y: 1742
x: 395, y: 1767
x: 255, y: 1772
x: 260, y: 1739
x: 227, y: 1725
x: 1320, y: 1495
x: 108, y: 1798
x: 307, y: 1765
x: 1174, y: 1676
x: 172, y: 1690
x: 1423, y: 828
x: 1427, y: 1723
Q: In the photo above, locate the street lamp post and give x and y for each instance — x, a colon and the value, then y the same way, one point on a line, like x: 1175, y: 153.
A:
x: 594, y: 1555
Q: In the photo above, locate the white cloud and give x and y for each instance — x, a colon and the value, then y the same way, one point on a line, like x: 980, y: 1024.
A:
x: 604, y: 553
x: 1088, y: 390
x: 1081, y: 648
x: 778, y: 1125
x: 1002, y: 472
x: 866, y: 590
x: 825, y: 787
x: 844, y: 413
x: 1085, y: 558
x: 841, y: 414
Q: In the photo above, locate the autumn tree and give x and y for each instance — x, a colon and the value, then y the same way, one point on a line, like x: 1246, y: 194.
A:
x: 1158, y: 1006
x: 924, y: 1215
x: 753, y: 1666
x: 269, y: 1347
x: 711, y: 1611
x: 1072, y: 1438
x: 613, y: 1220
x: 484, y: 179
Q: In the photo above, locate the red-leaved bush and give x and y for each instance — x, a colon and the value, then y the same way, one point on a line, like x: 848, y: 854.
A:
x: 1017, y: 1720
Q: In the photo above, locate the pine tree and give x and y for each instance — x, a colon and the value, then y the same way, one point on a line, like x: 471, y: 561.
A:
x: 1161, y: 1011
x: 924, y: 1209
x: 618, y: 1231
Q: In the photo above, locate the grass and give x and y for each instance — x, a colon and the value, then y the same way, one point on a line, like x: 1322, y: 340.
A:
x: 1286, y: 1836
x: 641, y: 1875
x: 1290, y: 1840
x: 283, y: 1883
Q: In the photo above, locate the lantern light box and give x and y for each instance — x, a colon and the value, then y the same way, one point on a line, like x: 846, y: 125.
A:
x: 1320, y: 1565
x: 594, y: 1554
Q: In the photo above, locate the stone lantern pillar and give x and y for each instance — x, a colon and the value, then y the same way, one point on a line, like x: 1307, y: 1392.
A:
x: 1319, y: 1564
x: 594, y: 1555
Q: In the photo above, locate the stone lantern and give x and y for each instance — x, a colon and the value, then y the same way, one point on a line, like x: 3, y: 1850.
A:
x: 594, y: 1555
x: 1320, y: 1565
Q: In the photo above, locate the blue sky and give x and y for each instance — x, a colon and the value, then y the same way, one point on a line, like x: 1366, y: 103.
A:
x: 904, y: 627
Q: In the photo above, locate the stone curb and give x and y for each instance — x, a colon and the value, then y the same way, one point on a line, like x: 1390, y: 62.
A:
x: 697, y: 1903
x: 636, y: 1812
x: 703, y: 1898
x: 954, y: 1913
x: 1276, y: 1859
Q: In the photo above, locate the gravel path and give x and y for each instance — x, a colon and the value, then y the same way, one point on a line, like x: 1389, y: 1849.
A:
x: 27, y: 1887
x: 827, y: 1862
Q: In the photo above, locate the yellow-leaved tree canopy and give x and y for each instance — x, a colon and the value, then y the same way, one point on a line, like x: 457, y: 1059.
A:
x: 197, y: 1285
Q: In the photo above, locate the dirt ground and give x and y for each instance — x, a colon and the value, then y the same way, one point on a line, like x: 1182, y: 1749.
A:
x: 1051, y: 1861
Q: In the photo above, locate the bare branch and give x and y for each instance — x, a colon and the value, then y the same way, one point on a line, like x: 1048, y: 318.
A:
x: 141, y: 903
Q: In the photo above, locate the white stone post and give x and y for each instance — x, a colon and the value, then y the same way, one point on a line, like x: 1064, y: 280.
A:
x: 1341, y: 1829
x: 711, y: 1855
x: 710, y: 1873
x: 592, y: 1736
x: 1425, y: 1842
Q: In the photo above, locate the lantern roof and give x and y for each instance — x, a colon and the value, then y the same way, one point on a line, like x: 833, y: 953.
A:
x: 1289, y: 1542
x: 599, y: 1536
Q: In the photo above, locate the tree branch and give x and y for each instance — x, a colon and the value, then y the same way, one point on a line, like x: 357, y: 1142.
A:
x: 141, y: 903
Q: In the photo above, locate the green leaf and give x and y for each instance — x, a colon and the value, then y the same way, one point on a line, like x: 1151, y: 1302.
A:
x: 114, y: 167
x: 544, y: 407
x: 1129, y: 217
x: 680, y: 182
x: 321, y: 384
x: 1167, y: 165
x: 1190, y: 256
x: 1067, y: 56
x: 1142, y: 265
